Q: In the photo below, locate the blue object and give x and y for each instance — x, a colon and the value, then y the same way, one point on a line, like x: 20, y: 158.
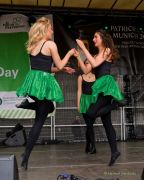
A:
x: 63, y: 176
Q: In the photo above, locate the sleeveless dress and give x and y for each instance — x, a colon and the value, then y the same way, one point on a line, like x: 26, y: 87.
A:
x: 86, y: 97
x: 39, y: 82
x: 105, y: 83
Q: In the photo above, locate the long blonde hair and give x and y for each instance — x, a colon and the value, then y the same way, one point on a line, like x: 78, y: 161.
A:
x: 37, y: 32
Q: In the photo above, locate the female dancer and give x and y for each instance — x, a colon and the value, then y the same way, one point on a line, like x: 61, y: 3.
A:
x: 105, y: 88
x: 84, y: 99
x: 39, y: 84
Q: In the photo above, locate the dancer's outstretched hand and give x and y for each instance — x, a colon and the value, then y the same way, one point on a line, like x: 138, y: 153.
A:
x: 76, y: 53
x: 71, y: 52
x: 68, y: 70
x: 80, y: 43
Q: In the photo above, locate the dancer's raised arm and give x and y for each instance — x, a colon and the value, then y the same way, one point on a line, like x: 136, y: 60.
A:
x: 94, y: 60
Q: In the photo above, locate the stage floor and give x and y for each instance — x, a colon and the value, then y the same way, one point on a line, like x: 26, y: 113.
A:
x: 48, y: 161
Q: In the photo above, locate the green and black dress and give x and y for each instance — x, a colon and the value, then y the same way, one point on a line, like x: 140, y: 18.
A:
x: 86, y: 97
x: 105, y: 83
x: 39, y: 82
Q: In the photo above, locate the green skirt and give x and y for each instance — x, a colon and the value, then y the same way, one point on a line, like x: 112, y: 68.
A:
x: 85, y: 102
x: 42, y: 85
x: 106, y: 85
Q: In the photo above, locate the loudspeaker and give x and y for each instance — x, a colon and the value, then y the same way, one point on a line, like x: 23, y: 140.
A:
x: 8, y: 167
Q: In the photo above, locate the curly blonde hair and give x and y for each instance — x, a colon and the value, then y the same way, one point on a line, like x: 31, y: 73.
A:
x: 37, y: 32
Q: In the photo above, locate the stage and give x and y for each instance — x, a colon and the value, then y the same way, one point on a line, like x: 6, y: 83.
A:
x: 49, y: 161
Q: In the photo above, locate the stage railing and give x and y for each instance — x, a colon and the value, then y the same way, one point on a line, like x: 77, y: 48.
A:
x: 122, y: 123
x: 135, y: 122
x: 83, y: 125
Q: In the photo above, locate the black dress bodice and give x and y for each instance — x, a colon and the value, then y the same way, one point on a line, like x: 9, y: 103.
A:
x: 103, y: 69
x: 41, y: 62
x: 87, y: 87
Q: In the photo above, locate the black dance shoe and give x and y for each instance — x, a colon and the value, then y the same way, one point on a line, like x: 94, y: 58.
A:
x: 87, y: 148
x: 51, y: 108
x: 24, y: 104
x: 24, y: 162
x: 117, y: 104
x: 114, y: 158
x: 93, y: 150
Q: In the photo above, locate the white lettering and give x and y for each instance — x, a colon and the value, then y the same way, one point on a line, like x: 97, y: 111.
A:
x: 123, y: 28
x: 9, y: 73
x: 1, y: 71
x: 125, y: 35
x: 15, y: 72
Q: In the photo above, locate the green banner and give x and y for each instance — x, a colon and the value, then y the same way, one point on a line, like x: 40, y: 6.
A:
x: 14, y: 62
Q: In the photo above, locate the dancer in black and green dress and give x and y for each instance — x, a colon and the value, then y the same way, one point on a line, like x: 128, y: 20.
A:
x: 105, y: 88
x: 39, y: 83
x: 84, y: 99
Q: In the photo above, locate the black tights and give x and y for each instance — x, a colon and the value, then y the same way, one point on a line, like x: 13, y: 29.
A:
x: 102, y: 106
x: 103, y: 109
x: 110, y: 131
x: 42, y: 108
x: 90, y: 137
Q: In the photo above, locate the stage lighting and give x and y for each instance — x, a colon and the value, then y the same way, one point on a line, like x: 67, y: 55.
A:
x: 69, y: 26
x: 106, y: 28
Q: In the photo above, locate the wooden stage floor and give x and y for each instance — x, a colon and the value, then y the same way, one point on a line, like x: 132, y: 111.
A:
x: 48, y: 161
